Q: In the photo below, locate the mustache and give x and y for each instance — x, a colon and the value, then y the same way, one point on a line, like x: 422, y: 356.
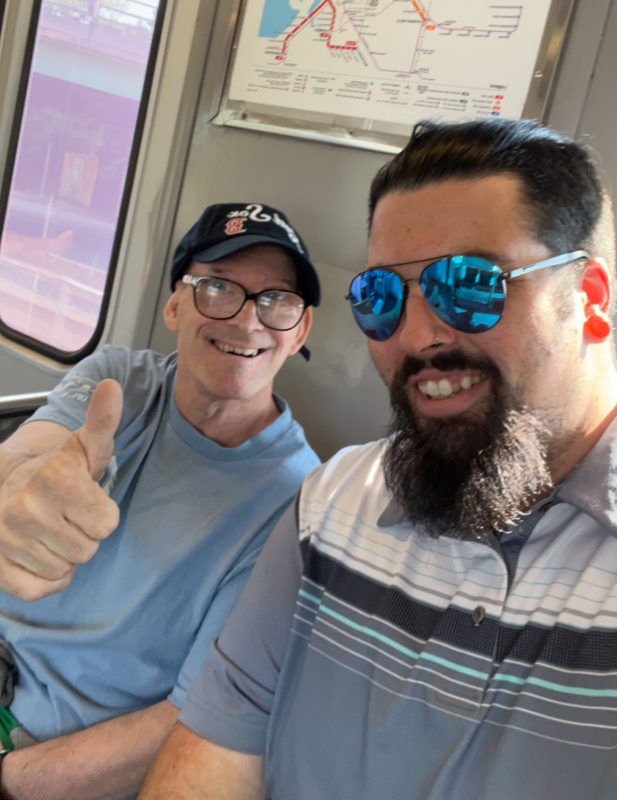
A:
x: 446, y: 362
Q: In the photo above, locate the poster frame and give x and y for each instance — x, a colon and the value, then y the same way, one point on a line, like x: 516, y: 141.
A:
x: 370, y: 134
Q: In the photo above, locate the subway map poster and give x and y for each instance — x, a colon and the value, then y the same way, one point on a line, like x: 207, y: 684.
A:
x: 393, y: 61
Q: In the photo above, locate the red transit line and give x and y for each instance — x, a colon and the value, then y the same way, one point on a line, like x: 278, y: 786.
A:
x: 419, y: 10
x: 306, y: 20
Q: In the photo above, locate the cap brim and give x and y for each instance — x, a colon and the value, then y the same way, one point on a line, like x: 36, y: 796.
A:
x: 220, y: 250
x: 230, y: 246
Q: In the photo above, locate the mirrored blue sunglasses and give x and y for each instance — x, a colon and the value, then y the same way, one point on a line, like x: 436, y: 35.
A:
x: 466, y: 292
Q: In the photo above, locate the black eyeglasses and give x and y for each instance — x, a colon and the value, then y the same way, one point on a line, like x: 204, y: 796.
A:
x: 219, y: 298
x: 466, y: 292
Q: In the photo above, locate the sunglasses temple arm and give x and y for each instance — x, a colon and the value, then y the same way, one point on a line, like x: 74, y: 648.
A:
x: 556, y: 261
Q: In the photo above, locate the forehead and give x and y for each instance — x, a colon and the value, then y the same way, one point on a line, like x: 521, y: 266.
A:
x: 482, y: 215
x: 263, y: 264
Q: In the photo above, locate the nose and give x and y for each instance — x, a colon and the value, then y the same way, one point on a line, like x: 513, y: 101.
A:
x: 420, y: 329
x: 246, y: 319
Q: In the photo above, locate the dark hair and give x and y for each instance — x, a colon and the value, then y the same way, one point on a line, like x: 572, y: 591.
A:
x: 562, y: 188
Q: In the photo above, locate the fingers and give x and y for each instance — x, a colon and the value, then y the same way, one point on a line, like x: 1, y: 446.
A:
x: 48, y: 544
x: 68, y: 507
x: 25, y: 585
x: 61, y: 496
x: 39, y: 543
x: 96, y: 516
x: 102, y: 419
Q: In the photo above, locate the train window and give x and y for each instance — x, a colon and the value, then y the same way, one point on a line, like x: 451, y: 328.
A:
x: 73, y: 156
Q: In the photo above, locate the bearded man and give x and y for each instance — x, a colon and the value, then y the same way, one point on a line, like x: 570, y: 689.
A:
x: 442, y: 622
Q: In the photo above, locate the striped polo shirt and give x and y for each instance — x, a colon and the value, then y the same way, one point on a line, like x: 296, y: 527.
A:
x: 385, y: 663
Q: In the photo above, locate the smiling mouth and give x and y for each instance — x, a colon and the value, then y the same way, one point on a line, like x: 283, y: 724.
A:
x: 446, y: 388
x: 245, y: 352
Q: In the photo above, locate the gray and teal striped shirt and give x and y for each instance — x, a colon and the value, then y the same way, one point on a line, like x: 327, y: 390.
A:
x: 366, y: 660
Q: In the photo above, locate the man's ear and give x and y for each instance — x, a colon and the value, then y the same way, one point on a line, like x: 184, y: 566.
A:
x: 302, y: 330
x: 596, y: 285
x: 596, y: 289
x: 170, y: 312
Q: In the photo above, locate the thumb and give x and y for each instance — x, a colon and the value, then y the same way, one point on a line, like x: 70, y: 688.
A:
x: 96, y: 437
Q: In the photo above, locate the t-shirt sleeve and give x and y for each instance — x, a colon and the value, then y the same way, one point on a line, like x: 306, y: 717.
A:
x: 68, y: 402
x: 230, y: 700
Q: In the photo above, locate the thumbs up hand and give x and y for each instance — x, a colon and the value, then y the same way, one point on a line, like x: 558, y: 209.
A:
x: 53, y: 513
x: 102, y: 419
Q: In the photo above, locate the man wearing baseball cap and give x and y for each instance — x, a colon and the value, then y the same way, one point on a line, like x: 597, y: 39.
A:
x: 133, y: 507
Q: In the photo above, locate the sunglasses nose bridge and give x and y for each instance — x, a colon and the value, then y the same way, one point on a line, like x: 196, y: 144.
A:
x: 408, y: 284
x: 419, y: 326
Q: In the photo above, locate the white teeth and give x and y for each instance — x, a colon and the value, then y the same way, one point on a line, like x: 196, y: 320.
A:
x: 447, y: 388
x: 238, y: 351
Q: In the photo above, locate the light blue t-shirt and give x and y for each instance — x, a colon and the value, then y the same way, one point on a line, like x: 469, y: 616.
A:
x: 133, y: 626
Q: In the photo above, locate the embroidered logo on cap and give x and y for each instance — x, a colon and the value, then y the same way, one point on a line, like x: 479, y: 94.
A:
x: 235, y: 226
x: 253, y: 211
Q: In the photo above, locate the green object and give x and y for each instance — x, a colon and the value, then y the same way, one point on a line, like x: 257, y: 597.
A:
x: 8, y: 723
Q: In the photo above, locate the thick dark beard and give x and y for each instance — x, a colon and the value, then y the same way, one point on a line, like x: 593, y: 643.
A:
x: 468, y: 476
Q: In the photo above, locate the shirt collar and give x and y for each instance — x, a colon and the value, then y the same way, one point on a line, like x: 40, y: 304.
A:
x: 592, y: 484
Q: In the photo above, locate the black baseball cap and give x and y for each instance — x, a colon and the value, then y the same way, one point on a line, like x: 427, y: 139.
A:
x: 226, y: 228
